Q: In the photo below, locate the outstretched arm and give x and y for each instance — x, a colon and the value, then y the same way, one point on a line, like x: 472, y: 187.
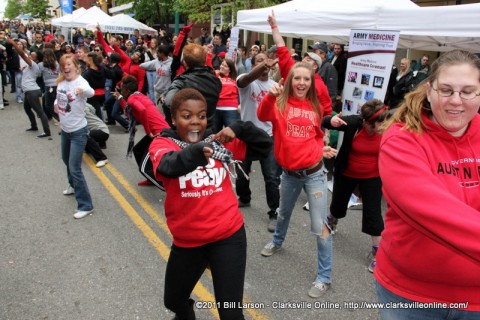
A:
x: 277, y: 37
x: 20, y: 52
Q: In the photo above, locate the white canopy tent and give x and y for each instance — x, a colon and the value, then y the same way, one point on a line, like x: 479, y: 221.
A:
x: 68, y: 17
x: 122, y: 23
x: 91, y: 17
x: 421, y: 28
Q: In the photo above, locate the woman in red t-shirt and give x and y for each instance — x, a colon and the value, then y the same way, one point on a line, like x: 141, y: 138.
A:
x: 357, y: 165
x: 227, y: 106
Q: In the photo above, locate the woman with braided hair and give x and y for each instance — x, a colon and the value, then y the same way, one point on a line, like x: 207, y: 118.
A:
x: 195, y: 168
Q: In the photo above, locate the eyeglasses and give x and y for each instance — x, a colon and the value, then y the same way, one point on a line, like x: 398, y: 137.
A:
x: 98, y: 50
x: 464, y: 95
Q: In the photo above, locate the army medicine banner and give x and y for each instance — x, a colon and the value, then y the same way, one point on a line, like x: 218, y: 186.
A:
x: 370, y: 59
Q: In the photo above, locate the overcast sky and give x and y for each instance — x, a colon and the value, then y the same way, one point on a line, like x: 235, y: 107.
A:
x: 3, y: 4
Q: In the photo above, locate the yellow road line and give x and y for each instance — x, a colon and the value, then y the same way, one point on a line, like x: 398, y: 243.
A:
x: 140, y: 199
x: 202, y: 293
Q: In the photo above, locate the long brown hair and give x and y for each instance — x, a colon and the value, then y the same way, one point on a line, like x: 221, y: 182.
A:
x: 311, y: 94
x: 233, y: 70
x: 410, y: 111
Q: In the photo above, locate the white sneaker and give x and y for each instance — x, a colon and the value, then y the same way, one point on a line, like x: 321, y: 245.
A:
x: 2, y: 107
x: 82, y: 214
x: 269, y: 249
x: 330, y: 185
x: 102, y: 163
x: 306, y: 207
x: 69, y: 191
x: 318, y: 289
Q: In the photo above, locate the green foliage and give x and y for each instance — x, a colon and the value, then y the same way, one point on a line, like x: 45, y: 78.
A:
x: 200, y: 10
x: 13, y: 9
x: 38, y: 9
x: 152, y: 11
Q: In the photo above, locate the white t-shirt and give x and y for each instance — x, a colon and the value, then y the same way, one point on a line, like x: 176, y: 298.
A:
x: 72, y: 107
x: 250, y: 98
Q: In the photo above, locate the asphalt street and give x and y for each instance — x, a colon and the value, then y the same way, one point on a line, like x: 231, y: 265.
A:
x: 110, y: 265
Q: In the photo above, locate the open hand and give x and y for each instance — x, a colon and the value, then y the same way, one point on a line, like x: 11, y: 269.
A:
x: 329, y: 152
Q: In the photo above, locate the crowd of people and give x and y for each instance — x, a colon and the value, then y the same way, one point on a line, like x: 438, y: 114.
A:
x: 207, y: 118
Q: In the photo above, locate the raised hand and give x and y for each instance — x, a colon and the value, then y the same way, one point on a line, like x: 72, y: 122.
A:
x: 276, y: 89
x: 272, y: 21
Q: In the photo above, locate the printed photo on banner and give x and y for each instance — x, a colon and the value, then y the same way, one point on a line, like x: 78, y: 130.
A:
x: 365, y: 79
x: 378, y: 82
x: 352, y: 77
x: 357, y: 93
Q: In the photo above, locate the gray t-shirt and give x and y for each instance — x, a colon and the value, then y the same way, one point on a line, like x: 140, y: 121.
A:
x: 49, y: 75
x: 29, y: 77
x: 162, y: 72
x: 250, y: 98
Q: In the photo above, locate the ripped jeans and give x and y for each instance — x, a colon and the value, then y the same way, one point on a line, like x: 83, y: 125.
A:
x: 315, y: 186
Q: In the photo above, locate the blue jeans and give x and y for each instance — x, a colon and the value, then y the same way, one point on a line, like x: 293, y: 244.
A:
x: 151, y: 77
x: 73, y: 145
x: 385, y: 296
x: 18, y: 85
x: 223, y: 118
x: 108, y: 89
x: 315, y: 186
x: 116, y: 114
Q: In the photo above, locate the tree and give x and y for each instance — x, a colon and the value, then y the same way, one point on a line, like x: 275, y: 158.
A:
x: 38, y: 9
x: 151, y: 11
x: 200, y: 10
x: 13, y: 9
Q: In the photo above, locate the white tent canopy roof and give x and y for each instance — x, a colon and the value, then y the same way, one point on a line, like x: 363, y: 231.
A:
x: 92, y: 16
x: 423, y: 28
x: 68, y: 17
x: 122, y: 23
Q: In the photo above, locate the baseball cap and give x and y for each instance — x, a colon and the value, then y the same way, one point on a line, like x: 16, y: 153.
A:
x: 314, y: 57
x: 255, y: 47
x: 319, y: 46
x: 272, y: 49
x: 221, y: 54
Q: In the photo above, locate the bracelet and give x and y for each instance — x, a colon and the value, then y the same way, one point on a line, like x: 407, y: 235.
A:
x: 274, y: 27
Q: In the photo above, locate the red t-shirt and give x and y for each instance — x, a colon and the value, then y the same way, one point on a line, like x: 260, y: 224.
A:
x: 363, y: 157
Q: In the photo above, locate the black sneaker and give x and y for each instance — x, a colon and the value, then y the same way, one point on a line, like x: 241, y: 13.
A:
x: 32, y: 129
x: 43, y: 135
x: 272, y: 224
x: 332, y: 224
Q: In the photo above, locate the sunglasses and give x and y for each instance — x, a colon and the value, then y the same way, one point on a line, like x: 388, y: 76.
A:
x: 98, y: 50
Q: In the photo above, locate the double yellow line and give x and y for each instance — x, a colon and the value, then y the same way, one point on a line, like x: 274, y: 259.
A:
x: 200, y: 291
